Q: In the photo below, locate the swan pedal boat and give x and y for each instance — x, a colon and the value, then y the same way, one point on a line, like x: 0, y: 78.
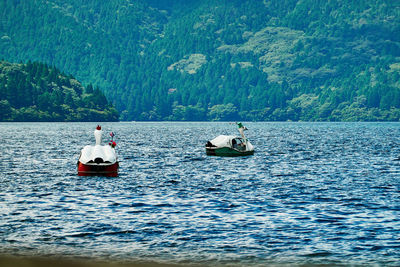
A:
x: 98, y: 160
x: 229, y: 145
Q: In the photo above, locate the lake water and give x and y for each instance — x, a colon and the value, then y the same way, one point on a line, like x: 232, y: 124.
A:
x: 312, y: 193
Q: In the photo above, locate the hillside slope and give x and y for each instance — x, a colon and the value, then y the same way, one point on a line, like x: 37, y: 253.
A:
x: 36, y: 92
x: 220, y: 60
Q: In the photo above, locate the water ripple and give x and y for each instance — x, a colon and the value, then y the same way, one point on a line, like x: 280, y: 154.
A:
x: 313, y: 193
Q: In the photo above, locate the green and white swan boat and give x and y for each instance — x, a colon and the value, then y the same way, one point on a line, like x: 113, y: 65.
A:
x: 229, y: 145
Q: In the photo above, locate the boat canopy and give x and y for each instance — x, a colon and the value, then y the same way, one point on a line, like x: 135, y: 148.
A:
x: 223, y: 140
x: 98, y: 154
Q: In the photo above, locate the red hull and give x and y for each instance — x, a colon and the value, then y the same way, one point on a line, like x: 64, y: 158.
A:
x: 98, y: 169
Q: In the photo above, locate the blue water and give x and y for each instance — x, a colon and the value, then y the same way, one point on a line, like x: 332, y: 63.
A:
x: 312, y: 193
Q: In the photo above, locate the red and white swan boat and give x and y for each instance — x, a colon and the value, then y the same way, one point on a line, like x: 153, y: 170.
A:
x: 98, y: 160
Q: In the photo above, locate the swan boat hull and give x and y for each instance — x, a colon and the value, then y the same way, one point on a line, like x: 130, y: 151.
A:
x: 227, y: 152
x: 98, y: 169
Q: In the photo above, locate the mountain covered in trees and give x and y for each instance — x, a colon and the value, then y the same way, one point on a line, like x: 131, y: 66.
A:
x: 37, y: 92
x: 312, y: 60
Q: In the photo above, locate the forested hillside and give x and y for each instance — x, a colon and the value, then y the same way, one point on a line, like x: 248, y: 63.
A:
x: 37, y: 92
x: 219, y: 60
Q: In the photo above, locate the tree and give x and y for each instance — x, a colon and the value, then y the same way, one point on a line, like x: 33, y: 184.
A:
x: 223, y: 112
x: 5, y: 110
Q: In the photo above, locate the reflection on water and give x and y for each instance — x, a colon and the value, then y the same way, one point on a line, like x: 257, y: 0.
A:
x: 312, y: 193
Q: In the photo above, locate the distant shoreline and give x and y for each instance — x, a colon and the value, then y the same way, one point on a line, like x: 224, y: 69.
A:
x: 122, y: 121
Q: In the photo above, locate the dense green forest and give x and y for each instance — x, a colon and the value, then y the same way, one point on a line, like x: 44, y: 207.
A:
x: 295, y: 60
x: 37, y: 92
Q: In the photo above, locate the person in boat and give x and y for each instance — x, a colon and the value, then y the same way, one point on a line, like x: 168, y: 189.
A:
x: 238, y: 144
x: 234, y: 143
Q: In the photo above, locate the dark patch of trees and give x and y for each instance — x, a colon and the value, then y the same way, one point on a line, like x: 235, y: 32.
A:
x: 37, y: 92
